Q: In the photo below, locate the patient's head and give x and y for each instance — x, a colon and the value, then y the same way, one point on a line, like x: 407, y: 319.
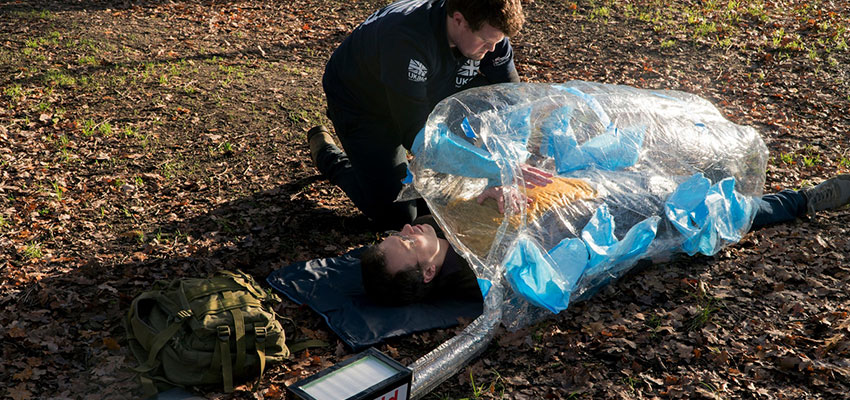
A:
x: 400, y: 269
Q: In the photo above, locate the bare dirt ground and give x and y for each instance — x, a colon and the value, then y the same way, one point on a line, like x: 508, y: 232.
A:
x: 145, y: 140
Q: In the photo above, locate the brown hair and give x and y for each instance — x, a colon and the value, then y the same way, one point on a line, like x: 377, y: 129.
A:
x: 504, y: 15
x: 405, y: 287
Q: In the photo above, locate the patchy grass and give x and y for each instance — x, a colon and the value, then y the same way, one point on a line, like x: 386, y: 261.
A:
x: 32, y: 250
x: 30, y: 15
x: 136, y: 149
x: 105, y: 128
x: 727, y: 23
x: 494, y: 388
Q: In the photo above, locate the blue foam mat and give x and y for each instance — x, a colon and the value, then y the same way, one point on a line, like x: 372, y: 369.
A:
x: 333, y: 288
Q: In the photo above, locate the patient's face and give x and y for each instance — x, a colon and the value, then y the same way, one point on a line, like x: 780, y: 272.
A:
x: 412, y: 246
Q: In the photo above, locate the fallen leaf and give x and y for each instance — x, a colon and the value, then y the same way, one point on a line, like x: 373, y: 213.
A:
x: 111, y: 343
x: 274, y: 392
x: 24, y: 375
x: 19, y: 392
x: 17, y: 332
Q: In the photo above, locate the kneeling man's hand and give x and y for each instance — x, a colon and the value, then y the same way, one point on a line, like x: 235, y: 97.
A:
x: 535, y: 176
x: 515, y: 198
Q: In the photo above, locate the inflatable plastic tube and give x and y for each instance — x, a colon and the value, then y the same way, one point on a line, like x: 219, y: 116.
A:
x: 448, y: 358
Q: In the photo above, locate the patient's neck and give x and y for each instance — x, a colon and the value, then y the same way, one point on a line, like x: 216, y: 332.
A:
x: 442, y: 250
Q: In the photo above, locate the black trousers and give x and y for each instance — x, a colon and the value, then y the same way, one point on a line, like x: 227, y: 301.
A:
x: 369, y: 167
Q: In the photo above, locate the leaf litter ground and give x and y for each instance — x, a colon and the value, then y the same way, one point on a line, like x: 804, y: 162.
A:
x: 152, y: 140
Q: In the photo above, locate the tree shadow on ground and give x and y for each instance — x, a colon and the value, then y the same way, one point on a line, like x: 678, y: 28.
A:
x: 60, y: 6
x: 71, y: 318
x: 268, y: 230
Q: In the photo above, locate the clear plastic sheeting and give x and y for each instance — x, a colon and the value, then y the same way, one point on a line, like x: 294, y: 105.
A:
x: 448, y: 358
x: 637, y: 174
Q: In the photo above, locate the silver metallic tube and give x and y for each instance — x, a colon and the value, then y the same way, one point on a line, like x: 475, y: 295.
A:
x: 448, y: 358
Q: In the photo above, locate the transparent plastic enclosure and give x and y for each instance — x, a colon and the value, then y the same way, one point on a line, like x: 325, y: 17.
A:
x: 636, y: 174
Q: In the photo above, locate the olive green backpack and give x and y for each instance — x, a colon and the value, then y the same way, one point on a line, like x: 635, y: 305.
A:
x: 194, y: 332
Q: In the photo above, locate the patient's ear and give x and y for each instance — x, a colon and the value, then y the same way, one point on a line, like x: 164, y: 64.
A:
x: 429, y: 272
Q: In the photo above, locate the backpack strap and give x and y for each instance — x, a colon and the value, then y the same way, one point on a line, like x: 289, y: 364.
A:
x: 243, y: 280
x: 239, y: 323
x: 141, y: 331
x: 294, y: 346
x: 161, y: 339
x: 303, y: 344
x: 224, y: 357
x: 148, y: 386
x: 260, y: 345
x: 215, y: 365
x: 143, y: 334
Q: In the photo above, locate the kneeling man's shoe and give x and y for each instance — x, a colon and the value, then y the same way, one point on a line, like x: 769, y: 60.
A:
x: 829, y: 194
x: 318, y: 137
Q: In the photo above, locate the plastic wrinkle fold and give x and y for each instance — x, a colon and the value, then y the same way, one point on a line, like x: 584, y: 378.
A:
x: 637, y: 174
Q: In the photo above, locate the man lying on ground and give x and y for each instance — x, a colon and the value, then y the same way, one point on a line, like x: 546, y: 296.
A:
x: 418, y: 262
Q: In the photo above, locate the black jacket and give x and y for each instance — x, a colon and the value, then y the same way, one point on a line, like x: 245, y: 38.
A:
x: 397, y: 65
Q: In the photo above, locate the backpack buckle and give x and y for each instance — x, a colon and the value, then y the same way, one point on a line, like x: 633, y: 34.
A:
x: 223, y: 332
x: 260, y: 334
x: 183, y: 314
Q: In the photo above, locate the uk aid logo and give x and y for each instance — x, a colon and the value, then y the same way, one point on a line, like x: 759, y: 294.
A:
x: 416, y: 71
x: 466, y: 72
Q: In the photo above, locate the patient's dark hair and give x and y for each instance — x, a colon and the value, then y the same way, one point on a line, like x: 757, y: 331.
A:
x: 405, y: 287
